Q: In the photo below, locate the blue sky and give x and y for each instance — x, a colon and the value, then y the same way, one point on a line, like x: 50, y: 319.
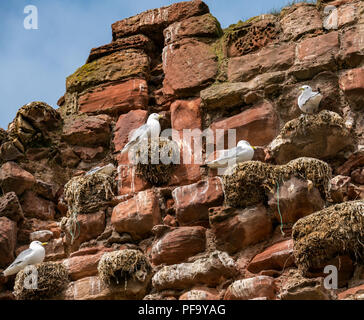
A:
x: 35, y: 63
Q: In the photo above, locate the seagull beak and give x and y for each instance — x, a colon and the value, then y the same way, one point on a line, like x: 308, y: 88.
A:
x: 255, y: 148
x: 160, y: 116
x: 44, y: 243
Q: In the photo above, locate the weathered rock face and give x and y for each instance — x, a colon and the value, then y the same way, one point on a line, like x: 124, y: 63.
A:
x: 351, y: 50
x: 296, y: 287
x: 138, y: 41
x: 294, y: 26
x: 261, y: 287
x: 36, y: 207
x: 111, y: 222
x: 115, y: 98
x: 208, y: 271
x: 7, y: 241
x: 138, y: 215
x: 252, y: 35
x: 316, y: 55
x: 320, y: 136
x: 156, y: 20
x: 90, y: 226
x: 276, y: 257
x: 267, y: 60
x: 92, y: 288
x: 192, y: 201
x: 189, y: 65
x: 10, y: 207
x: 178, y: 245
x: 118, y: 66
x: 258, y: 125
x: 186, y: 114
x: 352, y: 83
x: 89, y: 132
x: 297, y: 199
x: 14, y: 178
x: 238, y: 229
x: 200, y: 294
x: 85, y: 265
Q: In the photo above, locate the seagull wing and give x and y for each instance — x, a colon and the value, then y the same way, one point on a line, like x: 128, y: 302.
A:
x: 22, y: 257
x: 307, y: 98
x: 232, y: 152
x: 138, y: 134
x: 244, y: 154
x: 312, y: 103
x: 224, y: 156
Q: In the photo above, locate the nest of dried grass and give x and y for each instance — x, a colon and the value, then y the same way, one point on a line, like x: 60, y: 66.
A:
x: 119, y: 267
x: 320, y: 136
x: 89, y: 193
x: 333, y: 231
x: 309, y: 124
x: 163, y: 151
x: 33, y: 123
x: 52, y: 279
x: 248, y: 183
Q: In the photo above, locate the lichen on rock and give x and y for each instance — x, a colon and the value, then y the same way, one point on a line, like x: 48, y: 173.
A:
x: 114, y: 67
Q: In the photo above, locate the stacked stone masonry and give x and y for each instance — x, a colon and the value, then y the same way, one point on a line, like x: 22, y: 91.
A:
x: 177, y: 61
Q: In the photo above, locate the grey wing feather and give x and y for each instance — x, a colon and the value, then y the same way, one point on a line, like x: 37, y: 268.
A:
x: 20, y: 258
x: 139, y: 132
x: 309, y: 97
x: 233, y: 152
x: 226, y: 155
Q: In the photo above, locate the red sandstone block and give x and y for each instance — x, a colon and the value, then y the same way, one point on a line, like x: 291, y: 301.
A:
x: 258, y: 125
x: 178, y: 245
x: 276, y: 257
x: 115, y: 98
x: 137, y: 215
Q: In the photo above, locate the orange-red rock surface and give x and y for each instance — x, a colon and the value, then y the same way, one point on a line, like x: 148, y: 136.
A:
x: 178, y: 62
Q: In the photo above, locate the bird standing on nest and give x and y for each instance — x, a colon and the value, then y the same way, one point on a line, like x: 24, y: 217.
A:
x: 309, y: 101
x: 151, y: 129
x: 34, y: 255
x: 242, y: 152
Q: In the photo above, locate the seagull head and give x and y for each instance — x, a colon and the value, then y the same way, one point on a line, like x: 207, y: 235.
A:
x: 155, y: 116
x: 244, y: 143
x: 36, y: 244
x: 305, y: 88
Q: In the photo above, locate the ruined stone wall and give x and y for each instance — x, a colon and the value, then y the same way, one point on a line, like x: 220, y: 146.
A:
x: 177, y: 61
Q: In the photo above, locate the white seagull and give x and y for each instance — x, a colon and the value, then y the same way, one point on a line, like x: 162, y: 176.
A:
x: 309, y: 101
x: 151, y: 129
x: 34, y: 255
x: 242, y: 152
x: 108, y: 170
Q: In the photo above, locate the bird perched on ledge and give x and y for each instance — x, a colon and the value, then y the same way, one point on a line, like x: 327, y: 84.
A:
x: 34, y: 255
x: 309, y: 101
x: 242, y: 152
x: 150, y: 129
